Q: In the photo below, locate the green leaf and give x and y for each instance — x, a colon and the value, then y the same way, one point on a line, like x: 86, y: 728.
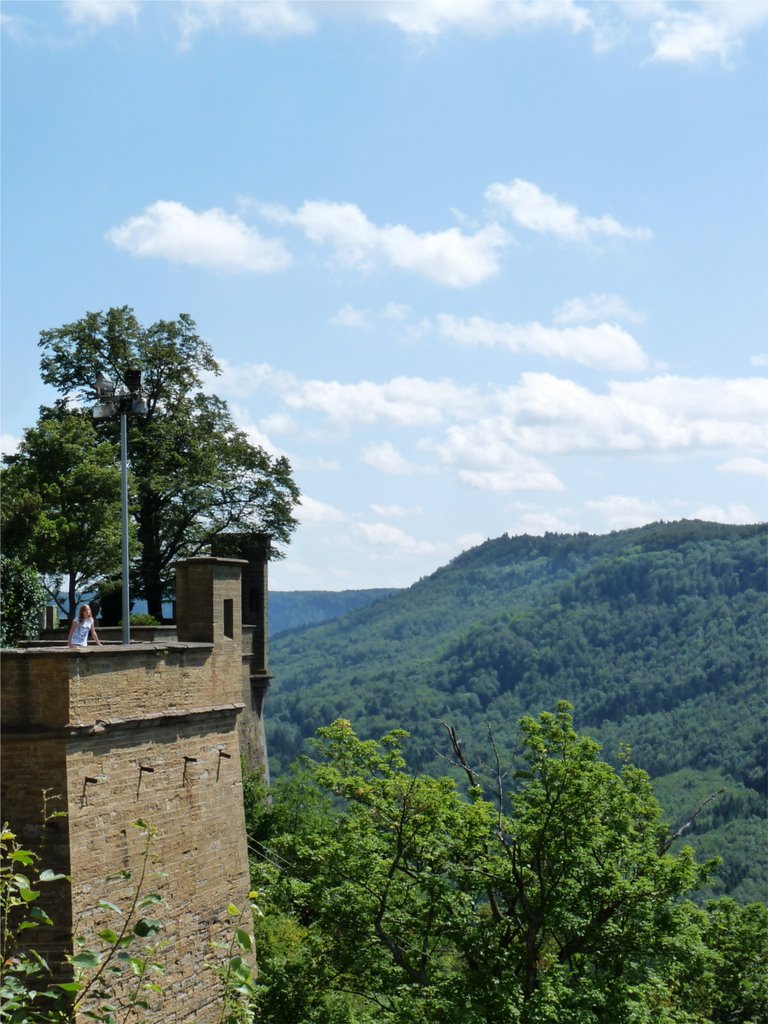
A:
x: 88, y: 958
x: 147, y: 926
x: 106, y: 905
x: 244, y: 940
x: 22, y: 857
x: 233, y: 911
x: 108, y: 936
x: 49, y: 876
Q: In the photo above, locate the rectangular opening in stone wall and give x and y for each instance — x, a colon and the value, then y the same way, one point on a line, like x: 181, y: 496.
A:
x: 229, y: 617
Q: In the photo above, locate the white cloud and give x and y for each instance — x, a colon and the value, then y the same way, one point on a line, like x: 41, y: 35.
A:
x: 255, y: 433
x: 731, y: 513
x: 312, y: 512
x: 433, y: 17
x: 531, y: 208
x: 171, y: 231
x: 396, y: 511
x: 278, y: 423
x: 605, y: 345
x: 448, y: 257
x: 537, y: 522
x: 9, y: 444
x: 760, y: 360
x: 595, y: 307
x: 621, y: 512
x: 386, y: 458
x: 405, y: 401
x: 244, y: 380
x: 710, y: 30
x: 533, y: 477
x: 747, y: 465
x: 251, y: 17
x: 100, y: 13
x: 488, y: 458
x: 547, y: 415
x: 348, y: 316
x: 396, y: 541
x: 396, y: 311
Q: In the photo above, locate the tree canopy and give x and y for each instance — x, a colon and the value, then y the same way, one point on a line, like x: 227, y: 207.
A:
x: 61, y: 503
x: 548, y: 893
x: 195, y: 474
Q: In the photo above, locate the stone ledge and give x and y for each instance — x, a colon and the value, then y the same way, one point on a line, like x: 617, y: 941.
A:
x: 151, y: 720
x: 111, y: 648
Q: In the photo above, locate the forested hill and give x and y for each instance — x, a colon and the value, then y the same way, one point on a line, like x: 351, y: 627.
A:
x: 291, y: 609
x: 656, y: 636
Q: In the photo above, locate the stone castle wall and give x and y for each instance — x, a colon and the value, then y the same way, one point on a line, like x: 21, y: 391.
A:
x: 144, y: 732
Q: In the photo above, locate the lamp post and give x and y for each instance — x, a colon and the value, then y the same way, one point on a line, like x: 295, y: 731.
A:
x: 112, y: 401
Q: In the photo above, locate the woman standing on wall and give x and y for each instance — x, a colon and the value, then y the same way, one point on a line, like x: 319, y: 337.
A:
x: 81, y: 627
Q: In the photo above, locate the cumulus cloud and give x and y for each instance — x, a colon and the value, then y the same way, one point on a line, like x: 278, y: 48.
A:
x: 251, y: 17
x: 606, y: 346
x: 396, y: 511
x: 100, y: 13
x: 531, y: 478
x: 717, y: 30
x: 489, y: 17
x: 448, y: 257
x: 528, y: 206
x: 387, y: 458
x: 9, y: 444
x: 349, y: 316
x: 312, y: 512
x: 171, y: 231
x: 596, y: 307
x: 538, y: 521
x: 731, y: 513
x: 405, y: 401
x: 544, y: 414
x: 621, y: 512
x: 747, y: 465
x: 488, y: 458
x: 397, y: 541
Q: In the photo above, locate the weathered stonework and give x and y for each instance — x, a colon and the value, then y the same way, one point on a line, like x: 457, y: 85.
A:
x: 147, y: 731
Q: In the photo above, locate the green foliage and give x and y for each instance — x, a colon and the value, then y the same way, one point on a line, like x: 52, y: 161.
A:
x: 116, y: 971
x: 547, y: 895
x: 235, y: 972
x: 139, y: 619
x: 196, y: 475
x: 22, y: 600
x: 61, y: 503
x: 654, y: 635
x: 113, y: 973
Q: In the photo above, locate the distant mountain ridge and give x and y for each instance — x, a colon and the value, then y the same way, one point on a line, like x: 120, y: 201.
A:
x: 292, y: 609
x: 656, y: 635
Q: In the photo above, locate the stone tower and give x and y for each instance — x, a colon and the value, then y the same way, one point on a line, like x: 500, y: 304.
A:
x: 254, y: 549
x: 146, y: 731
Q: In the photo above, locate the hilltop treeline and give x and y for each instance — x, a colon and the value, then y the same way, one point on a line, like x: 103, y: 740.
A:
x: 656, y: 636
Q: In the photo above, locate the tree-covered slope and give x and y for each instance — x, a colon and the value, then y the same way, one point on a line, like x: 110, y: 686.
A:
x: 655, y: 635
x: 291, y: 609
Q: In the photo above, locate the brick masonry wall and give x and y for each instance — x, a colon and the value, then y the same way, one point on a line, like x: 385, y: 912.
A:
x: 85, y: 724
x: 193, y: 796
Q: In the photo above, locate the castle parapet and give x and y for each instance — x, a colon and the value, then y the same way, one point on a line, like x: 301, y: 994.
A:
x: 141, y: 732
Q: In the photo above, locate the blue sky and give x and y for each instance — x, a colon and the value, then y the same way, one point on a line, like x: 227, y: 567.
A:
x: 474, y: 267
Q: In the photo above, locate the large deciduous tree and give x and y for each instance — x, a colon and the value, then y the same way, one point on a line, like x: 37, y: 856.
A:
x: 22, y: 600
x: 195, y: 474
x: 61, y: 504
x: 546, y: 895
